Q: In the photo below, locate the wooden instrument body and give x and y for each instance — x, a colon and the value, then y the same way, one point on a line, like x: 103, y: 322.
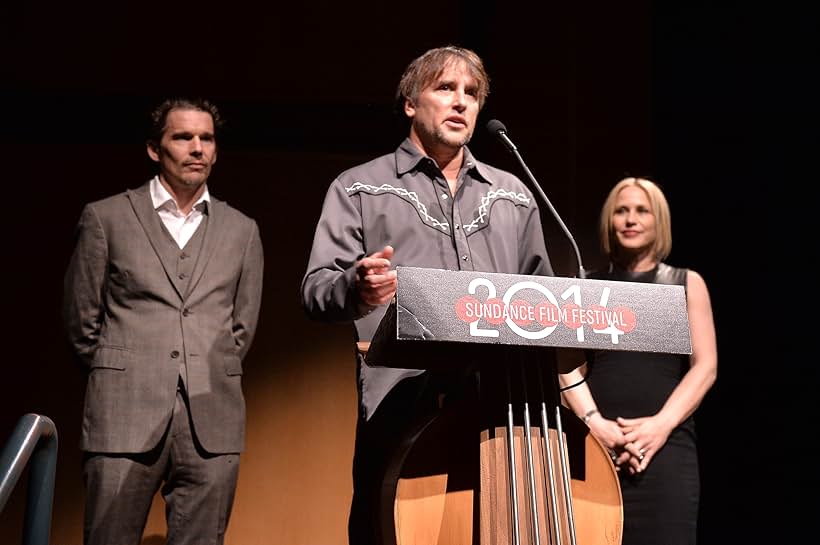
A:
x: 453, y: 487
x: 450, y: 483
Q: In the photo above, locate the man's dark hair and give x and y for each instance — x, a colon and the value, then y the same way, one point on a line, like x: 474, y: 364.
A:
x: 160, y: 114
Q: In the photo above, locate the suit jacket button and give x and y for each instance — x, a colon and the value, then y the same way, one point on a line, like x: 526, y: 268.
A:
x: 186, y: 312
x: 175, y: 354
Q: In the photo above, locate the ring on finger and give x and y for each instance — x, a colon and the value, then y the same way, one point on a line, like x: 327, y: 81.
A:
x: 612, y: 454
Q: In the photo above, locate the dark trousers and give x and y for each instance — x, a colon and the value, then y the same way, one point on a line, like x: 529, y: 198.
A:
x: 380, y: 443
x: 198, y: 489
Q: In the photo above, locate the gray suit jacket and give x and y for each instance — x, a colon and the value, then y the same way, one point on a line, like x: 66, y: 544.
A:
x: 134, y: 326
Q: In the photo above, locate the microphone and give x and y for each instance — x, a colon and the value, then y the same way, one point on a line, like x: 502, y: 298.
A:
x: 497, y: 129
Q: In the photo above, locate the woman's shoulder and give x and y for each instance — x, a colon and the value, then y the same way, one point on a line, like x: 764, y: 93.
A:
x: 667, y: 274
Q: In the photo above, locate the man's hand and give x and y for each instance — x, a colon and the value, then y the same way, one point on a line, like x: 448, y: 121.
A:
x: 375, y: 281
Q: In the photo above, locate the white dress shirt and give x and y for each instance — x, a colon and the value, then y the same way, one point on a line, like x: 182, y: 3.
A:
x: 181, y: 226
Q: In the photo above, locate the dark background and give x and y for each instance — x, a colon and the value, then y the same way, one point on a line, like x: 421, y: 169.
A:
x: 716, y: 102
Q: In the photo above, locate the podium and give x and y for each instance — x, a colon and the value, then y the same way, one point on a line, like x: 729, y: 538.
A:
x: 539, y: 470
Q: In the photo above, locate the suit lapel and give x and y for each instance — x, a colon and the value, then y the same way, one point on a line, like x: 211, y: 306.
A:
x: 152, y: 225
x: 213, y: 232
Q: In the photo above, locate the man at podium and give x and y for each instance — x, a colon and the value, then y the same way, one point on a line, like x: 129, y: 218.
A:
x: 431, y: 204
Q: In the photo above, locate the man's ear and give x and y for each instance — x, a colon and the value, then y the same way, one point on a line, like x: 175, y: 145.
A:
x: 409, y: 108
x: 152, y: 150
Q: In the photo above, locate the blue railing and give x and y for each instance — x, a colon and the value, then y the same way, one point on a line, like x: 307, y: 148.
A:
x: 33, y: 442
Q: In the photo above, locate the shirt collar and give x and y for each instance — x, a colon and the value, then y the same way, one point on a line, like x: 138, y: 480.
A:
x: 409, y: 157
x: 160, y: 196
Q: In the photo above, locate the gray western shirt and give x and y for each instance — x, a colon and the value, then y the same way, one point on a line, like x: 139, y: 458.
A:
x: 402, y: 199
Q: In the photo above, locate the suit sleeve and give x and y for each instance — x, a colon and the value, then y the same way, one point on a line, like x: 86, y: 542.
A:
x: 248, y: 293
x: 84, y: 284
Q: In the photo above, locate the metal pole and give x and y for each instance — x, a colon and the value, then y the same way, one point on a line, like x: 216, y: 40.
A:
x: 34, y: 442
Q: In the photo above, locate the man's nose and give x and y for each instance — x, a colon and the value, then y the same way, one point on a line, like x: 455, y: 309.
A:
x: 460, y: 100
x: 196, y: 146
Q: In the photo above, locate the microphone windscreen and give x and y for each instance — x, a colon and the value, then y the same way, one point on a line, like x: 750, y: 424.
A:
x: 495, y: 126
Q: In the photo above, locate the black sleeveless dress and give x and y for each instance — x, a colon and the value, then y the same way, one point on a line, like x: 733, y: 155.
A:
x: 661, y: 503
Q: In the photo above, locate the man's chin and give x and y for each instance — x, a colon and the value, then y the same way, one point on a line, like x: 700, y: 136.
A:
x: 194, y: 182
x: 455, y: 141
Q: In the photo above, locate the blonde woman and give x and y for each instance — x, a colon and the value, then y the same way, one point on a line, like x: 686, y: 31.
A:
x: 640, y: 405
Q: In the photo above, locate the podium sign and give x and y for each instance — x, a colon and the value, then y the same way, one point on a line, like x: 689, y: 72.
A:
x: 510, y: 309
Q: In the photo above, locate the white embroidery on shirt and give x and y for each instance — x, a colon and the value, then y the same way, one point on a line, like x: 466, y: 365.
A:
x: 486, y: 201
x: 408, y: 195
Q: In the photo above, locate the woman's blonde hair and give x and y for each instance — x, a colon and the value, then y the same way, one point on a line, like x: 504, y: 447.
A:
x: 660, y: 208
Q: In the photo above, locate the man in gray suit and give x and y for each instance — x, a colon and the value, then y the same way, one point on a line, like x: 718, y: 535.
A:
x: 162, y: 296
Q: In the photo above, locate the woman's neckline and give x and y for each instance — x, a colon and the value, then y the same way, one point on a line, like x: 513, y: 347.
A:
x: 627, y: 274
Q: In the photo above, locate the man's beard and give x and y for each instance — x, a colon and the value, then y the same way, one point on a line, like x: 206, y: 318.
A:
x: 195, y: 180
x: 442, y: 138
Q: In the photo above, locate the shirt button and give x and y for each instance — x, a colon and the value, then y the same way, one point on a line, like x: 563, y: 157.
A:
x: 183, y: 255
x: 464, y: 257
x: 182, y: 276
x: 444, y: 196
x: 175, y: 354
x: 186, y: 312
x: 458, y: 227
